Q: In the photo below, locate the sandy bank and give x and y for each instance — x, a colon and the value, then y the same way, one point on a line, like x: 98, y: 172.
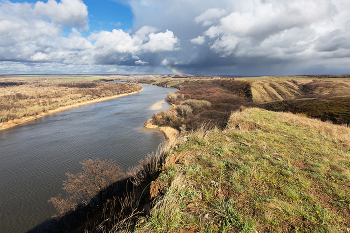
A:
x: 12, y: 123
x: 158, y: 105
x: 169, y: 133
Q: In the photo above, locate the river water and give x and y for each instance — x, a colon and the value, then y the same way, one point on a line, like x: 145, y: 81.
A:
x: 35, y: 157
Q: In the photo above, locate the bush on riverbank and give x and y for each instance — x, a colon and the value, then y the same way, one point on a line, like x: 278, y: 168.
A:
x: 209, y: 102
x: 97, y: 175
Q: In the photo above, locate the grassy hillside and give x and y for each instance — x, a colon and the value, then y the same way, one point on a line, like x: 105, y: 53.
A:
x: 266, y: 172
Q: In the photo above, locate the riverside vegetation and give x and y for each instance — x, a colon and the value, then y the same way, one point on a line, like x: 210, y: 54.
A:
x: 27, y: 99
x: 233, y: 168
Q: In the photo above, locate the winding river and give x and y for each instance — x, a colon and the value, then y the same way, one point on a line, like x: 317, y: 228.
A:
x: 35, y: 157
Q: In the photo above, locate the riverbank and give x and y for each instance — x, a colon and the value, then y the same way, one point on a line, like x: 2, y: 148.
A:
x: 169, y: 133
x: 16, y: 122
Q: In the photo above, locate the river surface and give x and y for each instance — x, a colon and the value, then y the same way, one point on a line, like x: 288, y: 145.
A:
x: 34, y: 157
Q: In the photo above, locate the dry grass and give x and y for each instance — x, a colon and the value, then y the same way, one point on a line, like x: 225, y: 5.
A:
x: 23, y: 101
x: 271, y: 90
x: 266, y: 172
x: 268, y: 90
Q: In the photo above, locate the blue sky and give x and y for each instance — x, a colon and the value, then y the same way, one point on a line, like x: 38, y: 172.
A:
x: 108, y: 15
x: 104, y: 14
x: 222, y: 37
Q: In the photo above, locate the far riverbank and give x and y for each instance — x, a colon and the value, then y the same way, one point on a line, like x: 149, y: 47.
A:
x: 16, y: 122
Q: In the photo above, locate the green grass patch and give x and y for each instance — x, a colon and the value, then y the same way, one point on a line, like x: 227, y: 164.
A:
x: 286, y: 174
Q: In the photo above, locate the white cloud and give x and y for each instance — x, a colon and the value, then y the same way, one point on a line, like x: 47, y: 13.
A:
x: 117, y: 46
x: 140, y: 62
x: 26, y: 34
x: 272, y: 17
x: 116, y: 41
x: 232, y: 34
x: 67, y: 12
x: 209, y: 16
x: 163, y: 41
x: 39, y: 57
x: 143, y: 32
x: 165, y: 62
x: 75, y: 42
x: 225, y: 45
x: 199, y: 40
x: 278, y: 29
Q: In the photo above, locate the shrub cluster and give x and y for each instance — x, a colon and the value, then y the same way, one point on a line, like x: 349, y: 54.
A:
x: 197, y: 104
x: 334, y: 109
x: 7, y: 84
x: 204, y: 101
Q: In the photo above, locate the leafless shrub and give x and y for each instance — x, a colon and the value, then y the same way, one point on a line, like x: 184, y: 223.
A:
x: 184, y: 110
x: 96, y: 176
x: 171, y: 97
x: 196, y: 104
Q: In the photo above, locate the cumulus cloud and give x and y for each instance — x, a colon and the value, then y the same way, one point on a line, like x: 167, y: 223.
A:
x: 75, y: 42
x: 236, y: 37
x: 272, y: 17
x: 162, y: 41
x: 27, y: 34
x: 67, y: 12
x: 165, y: 62
x: 209, y: 16
x: 199, y: 40
x: 33, y: 33
x: 279, y: 31
x: 117, y: 46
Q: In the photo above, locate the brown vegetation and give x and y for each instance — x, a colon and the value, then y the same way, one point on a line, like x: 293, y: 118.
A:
x: 326, y: 98
x: 202, y: 101
x: 97, y: 175
x: 334, y: 109
x: 29, y: 99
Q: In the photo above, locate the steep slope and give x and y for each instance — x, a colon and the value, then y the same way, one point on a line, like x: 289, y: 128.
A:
x: 271, y: 90
x: 266, y: 172
x: 276, y: 89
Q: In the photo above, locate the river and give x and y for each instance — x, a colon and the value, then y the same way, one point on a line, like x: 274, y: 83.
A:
x: 34, y: 157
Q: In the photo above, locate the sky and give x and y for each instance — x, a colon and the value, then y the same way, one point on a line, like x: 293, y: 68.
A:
x: 201, y: 37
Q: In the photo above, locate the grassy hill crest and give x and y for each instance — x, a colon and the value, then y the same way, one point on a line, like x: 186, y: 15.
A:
x: 265, y: 172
